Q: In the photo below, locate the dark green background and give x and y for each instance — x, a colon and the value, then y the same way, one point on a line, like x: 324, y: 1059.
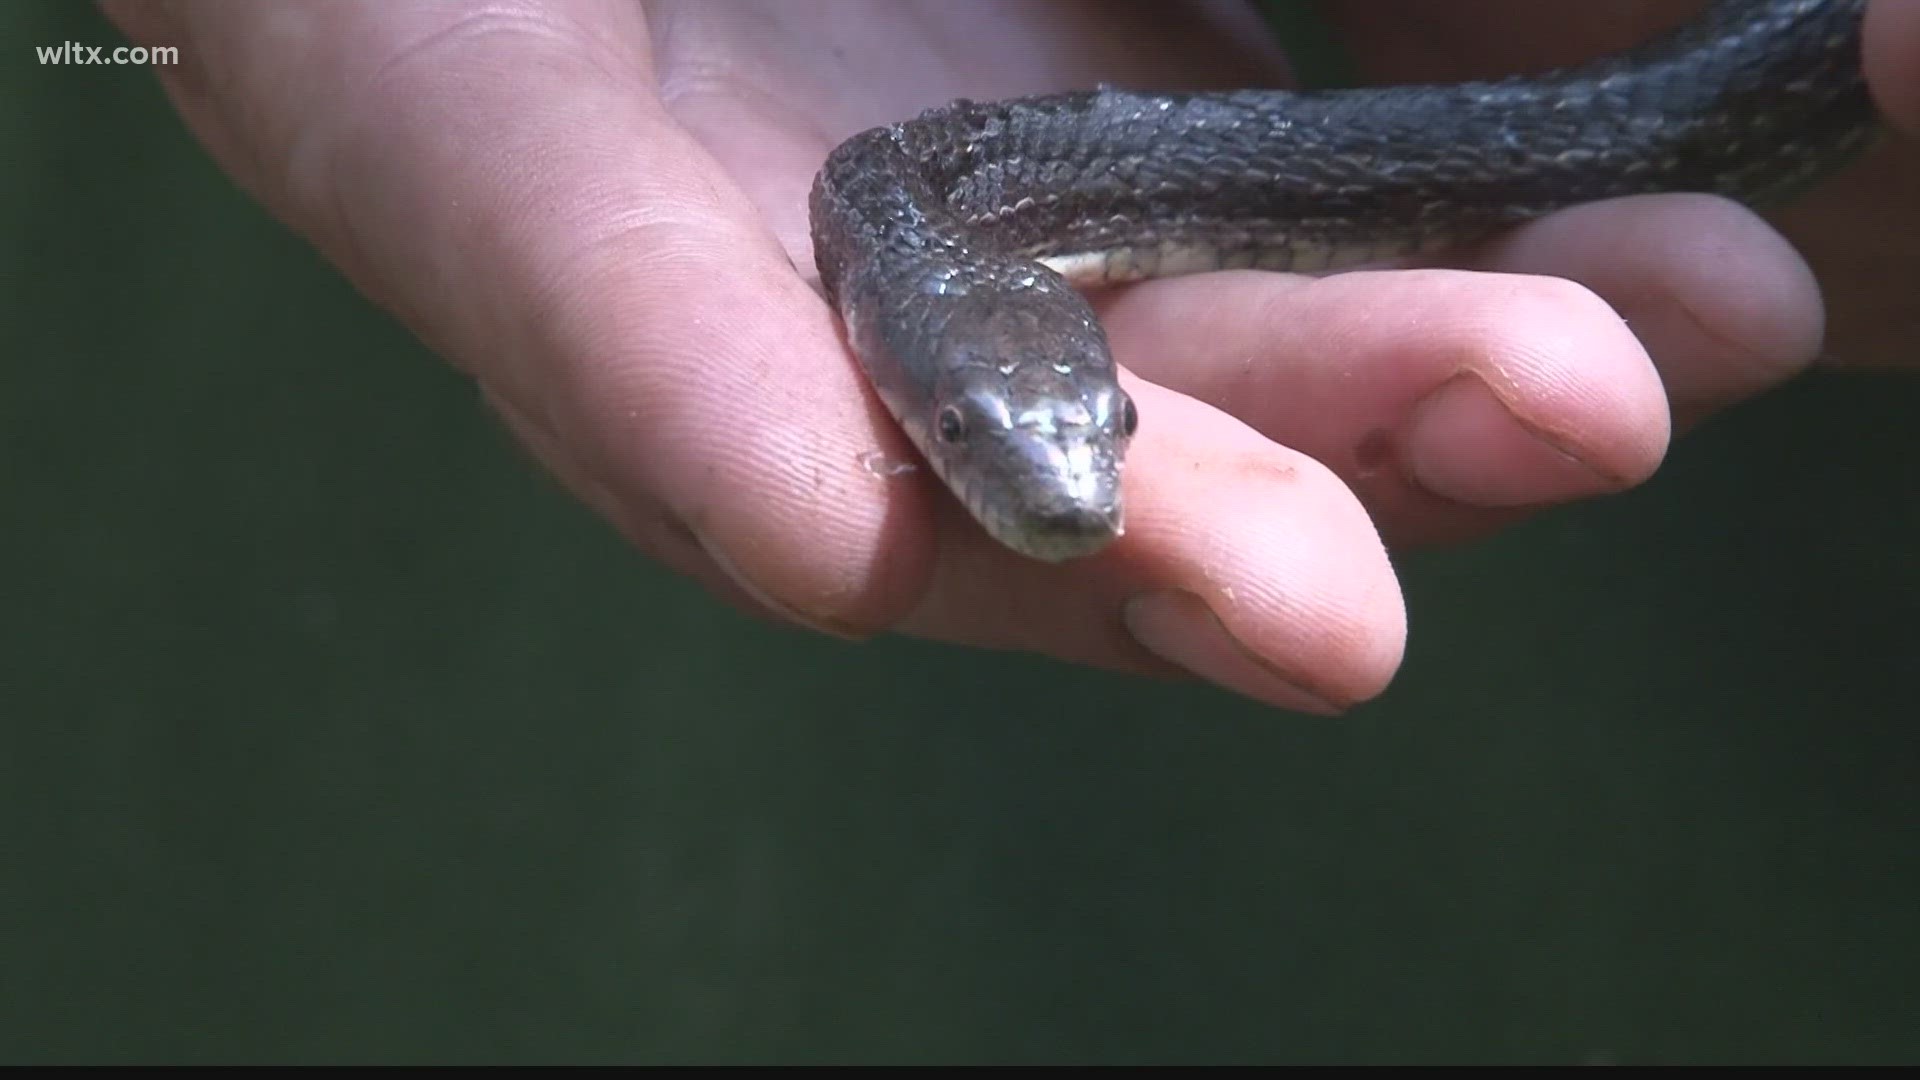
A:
x: 331, y: 732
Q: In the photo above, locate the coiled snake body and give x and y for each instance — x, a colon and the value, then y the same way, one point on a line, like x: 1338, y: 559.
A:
x: 951, y: 244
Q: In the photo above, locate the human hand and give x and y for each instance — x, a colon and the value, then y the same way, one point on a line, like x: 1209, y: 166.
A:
x: 598, y: 210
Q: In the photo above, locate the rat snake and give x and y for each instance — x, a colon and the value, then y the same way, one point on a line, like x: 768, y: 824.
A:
x: 952, y: 244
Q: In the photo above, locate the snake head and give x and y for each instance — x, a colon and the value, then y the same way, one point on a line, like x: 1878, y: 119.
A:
x: 1034, y: 451
x: 1004, y: 381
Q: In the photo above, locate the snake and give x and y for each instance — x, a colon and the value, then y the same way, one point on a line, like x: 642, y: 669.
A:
x: 959, y: 247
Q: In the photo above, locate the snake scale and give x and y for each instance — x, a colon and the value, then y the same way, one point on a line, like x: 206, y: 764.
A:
x: 953, y: 245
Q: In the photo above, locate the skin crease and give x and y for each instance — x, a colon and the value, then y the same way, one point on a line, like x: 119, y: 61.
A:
x: 598, y: 210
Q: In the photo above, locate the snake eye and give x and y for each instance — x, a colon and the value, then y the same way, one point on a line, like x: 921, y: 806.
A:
x: 1129, y: 417
x: 952, y: 426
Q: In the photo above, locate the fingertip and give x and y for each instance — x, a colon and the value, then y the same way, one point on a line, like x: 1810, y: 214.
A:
x: 1466, y: 445
x: 1891, y: 59
x: 1558, y: 401
x: 1267, y: 575
x: 1722, y: 303
x: 1515, y: 389
x: 1186, y: 631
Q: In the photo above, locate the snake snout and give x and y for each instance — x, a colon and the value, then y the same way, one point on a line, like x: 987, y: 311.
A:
x: 1074, y: 531
x: 1068, y: 497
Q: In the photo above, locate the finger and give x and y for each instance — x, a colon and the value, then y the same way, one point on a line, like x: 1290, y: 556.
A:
x: 1452, y: 399
x: 1244, y: 563
x: 1891, y: 50
x: 1723, y: 304
x: 1447, y: 399
x: 500, y: 176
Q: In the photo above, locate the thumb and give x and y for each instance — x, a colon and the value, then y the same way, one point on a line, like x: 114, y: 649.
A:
x: 502, y: 178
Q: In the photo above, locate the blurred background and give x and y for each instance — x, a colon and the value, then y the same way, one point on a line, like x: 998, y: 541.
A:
x: 330, y: 731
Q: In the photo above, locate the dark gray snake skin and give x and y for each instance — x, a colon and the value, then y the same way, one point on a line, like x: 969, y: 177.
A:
x: 951, y: 244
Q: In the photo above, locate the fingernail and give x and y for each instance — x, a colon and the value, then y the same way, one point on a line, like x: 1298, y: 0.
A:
x: 1181, y: 629
x: 822, y: 624
x: 1464, y: 446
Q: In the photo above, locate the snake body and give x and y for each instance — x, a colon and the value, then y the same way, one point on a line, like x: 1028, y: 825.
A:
x: 952, y: 244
